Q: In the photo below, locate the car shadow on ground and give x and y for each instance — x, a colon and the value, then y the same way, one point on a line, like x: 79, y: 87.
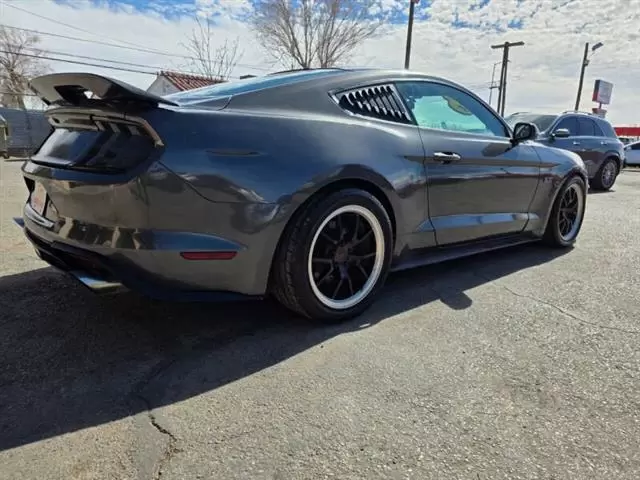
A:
x: 70, y: 360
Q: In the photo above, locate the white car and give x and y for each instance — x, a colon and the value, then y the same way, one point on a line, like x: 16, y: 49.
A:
x: 632, y: 154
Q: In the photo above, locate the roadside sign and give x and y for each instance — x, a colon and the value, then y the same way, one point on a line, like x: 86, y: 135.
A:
x: 602, y: 92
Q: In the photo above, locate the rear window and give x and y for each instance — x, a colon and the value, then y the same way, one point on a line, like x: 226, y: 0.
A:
x: 237, y: 87
x: 543, y: 122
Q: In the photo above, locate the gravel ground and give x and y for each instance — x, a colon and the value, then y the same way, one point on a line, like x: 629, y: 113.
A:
x: 519, y: 364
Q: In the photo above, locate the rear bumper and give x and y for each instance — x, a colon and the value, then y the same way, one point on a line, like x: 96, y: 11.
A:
x: 103, y: 274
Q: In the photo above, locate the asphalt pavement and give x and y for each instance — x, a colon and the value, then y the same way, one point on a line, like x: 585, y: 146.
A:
x: 520, y: 364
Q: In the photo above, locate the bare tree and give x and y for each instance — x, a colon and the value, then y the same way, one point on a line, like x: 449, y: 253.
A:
x: 216, y: 63
x: 19, y: 62
x: 314, y: 33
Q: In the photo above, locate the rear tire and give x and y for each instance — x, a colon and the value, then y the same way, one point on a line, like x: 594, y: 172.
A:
x: 334, y: 258
x: 606, y: 176
x: 567, y: 214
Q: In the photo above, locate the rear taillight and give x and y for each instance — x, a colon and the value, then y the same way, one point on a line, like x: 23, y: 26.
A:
x: 97, y: 142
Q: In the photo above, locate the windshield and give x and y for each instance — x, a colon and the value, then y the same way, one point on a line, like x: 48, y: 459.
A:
x: 543, y: 122
x: 248, y: 85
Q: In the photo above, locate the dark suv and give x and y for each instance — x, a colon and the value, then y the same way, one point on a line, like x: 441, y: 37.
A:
x: 591, y: 137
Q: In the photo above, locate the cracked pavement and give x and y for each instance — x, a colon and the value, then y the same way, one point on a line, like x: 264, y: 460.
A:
x: 520, y: 364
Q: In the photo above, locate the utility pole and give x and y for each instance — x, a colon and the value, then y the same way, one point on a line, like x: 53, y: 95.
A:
x: 502, y: 91
x: 493, y: 85
x: 585, y: 62
x: 407, y: 55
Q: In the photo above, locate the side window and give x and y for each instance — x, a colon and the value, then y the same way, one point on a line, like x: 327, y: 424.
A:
x: 446, y: 108
x: 599, y: 131
x: 607, y: 129
x: 635, y: 146
x: 570, y: 123
x: 587, y: 127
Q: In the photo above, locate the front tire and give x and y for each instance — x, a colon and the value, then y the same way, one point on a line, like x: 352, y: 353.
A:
x: 335, y: 257
x: 606, y: 176
x: 567, y: 214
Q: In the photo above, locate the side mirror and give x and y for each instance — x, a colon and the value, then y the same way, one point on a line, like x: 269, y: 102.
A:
x: 561, y: 133
x: 524, y: 131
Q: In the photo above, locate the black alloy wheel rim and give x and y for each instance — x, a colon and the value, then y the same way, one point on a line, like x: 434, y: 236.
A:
x: 569, y: 212
x: 346, y: 257
x: 608, y: 174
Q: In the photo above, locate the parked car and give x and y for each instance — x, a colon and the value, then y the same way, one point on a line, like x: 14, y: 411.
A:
x: 310, y: 186
x: 4, y: 138
x: 24, y: 131
x: 591, y: 137
x: 632, y: 154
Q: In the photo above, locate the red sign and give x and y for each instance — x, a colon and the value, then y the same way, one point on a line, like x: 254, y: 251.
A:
x: 627, y: 131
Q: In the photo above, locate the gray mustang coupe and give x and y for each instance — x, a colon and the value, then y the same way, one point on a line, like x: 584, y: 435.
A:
x: 310, y: 185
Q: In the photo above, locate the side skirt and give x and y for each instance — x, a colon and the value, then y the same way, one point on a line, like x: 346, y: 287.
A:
x: 429, y: 256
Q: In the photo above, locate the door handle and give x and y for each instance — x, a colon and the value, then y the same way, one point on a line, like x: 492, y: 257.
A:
x: 604, y: 143
x: 446, y: 157
x: 576, y: 143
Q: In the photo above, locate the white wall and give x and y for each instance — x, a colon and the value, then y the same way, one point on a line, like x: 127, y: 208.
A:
x: 162, y: 86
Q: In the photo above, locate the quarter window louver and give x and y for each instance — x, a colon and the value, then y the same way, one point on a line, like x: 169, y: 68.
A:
x: 380, y: 101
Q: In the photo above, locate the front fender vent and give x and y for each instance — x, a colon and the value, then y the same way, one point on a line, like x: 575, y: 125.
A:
x: 380, y: 101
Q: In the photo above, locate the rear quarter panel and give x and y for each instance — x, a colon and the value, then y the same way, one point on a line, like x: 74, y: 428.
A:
x: 281, y: 158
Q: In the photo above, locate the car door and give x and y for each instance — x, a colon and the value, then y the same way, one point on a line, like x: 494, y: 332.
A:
x: 632, y: 153
x: 590, y: 143
x: 479, y: 184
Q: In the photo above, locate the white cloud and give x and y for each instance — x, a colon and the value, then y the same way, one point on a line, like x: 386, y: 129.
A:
x: 543, y: 74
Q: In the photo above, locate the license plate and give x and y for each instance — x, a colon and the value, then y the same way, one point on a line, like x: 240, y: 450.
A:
x: 38, y: 198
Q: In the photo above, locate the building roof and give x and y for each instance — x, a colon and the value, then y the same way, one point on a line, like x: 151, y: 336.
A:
x: 183, y: 81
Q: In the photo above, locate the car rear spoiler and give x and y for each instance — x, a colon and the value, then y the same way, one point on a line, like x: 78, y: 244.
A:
x: 88, y: 89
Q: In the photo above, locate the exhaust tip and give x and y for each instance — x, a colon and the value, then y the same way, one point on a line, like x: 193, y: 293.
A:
x: 97, y: 285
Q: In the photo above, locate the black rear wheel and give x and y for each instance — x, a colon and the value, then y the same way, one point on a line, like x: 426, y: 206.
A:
x: 606, y: 176
x: 335, y: 257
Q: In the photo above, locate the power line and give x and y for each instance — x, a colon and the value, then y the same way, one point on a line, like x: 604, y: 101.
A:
x: 155, y: 69
x: 107, y: 44
x: 62, y: 23
x: 37, y: 51
x: 77, y: 62
x: 18, y: 94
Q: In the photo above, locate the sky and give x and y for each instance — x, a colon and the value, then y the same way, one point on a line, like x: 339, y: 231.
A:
x: 451, y: 39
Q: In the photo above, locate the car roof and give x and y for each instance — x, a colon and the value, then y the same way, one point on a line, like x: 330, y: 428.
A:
x: 288, y: 83
x: 371, y: 74
x: 564, y: 114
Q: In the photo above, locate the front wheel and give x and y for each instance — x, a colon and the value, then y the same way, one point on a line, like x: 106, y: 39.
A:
x: 567, y: 214
x: 335, y: 257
